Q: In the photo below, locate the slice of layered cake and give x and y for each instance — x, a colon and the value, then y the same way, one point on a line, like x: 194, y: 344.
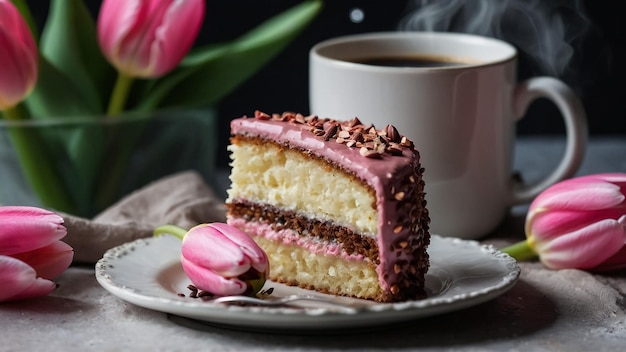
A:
x: 338, y: 206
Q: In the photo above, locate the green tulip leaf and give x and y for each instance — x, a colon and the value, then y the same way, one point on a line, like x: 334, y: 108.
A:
x: 35, y: 159
x: 209, y: 74
x: 146, y: 95
x: 70, y: 43
x: 79, y: 149
x: 55, y: 95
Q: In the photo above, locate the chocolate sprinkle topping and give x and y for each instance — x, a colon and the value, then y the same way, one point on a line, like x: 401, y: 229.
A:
x: 372, y: 143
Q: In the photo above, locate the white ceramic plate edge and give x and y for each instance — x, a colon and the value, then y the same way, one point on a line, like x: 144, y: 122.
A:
x: 463, y: 274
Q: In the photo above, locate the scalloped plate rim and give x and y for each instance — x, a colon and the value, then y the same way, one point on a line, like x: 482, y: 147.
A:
x: 143, y: 272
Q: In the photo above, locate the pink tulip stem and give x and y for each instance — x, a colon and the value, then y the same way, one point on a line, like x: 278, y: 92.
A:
x: 176, y: 231
x: 119, y: 94
x: 520, y: 251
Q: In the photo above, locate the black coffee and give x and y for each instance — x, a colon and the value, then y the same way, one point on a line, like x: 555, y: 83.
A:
x: 410, y: 61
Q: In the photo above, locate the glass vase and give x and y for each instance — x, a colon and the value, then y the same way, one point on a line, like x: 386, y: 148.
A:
x: 82, y: 165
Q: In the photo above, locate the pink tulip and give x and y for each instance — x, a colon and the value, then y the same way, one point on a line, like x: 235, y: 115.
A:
x: 27, y: 228
x: 223, y: 260
x: 148, y: 38
x: 20, y: 281
x: 31, y: 253
x: 18, y: 57
x: 579, y: 223
x: 49, y: 261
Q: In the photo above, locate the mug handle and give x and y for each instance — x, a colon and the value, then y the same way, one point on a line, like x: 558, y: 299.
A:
x: 576, y: 128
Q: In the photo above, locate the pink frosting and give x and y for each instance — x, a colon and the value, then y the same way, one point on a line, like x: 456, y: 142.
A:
x: 382, y: 174
x: 290, y: 237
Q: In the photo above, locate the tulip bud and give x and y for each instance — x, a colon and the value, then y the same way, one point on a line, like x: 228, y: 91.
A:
x: 223, y: 260
x: 31, y: 253
x: 19, y: 280
x: 578, y: 223
x: 148, y: 38
x: 18, y: 57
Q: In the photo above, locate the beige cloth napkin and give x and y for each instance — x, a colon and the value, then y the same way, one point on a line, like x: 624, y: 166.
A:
x: 182, y: 199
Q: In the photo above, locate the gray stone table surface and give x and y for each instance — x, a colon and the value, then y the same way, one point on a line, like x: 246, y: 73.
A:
x: 567, y: 310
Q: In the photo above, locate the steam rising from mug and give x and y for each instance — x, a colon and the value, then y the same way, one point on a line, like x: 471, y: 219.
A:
x: 544, y: 31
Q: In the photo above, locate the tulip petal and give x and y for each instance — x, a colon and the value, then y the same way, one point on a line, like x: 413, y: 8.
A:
x: 148, y: 38
x: 210, y: 249
x: 173, y: 40
x: 18, y: 57
x: 49, y: 261
x: 580, y: 195
x: 18, y: 280
x: 616, y: 178
x: 23, y: 229
x: 115, y: 19
x: 546, y: 225
x: 257, y: 256
x: 613, y: 184
x: 209, y: 281
x: 584, y: 248
x: 617, y: 261
x: 134, y: 48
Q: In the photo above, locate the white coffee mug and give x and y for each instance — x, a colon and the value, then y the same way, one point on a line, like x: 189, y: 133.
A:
x: 460, y: 112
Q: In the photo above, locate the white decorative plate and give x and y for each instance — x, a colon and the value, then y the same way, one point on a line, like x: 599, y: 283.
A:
x: 147, y: 273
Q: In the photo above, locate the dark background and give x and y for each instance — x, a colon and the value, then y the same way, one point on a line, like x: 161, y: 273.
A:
x: 595, y: 30
x: 596, y: 71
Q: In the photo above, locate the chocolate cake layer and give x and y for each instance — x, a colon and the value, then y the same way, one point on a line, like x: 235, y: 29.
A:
x: 281, y: 219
